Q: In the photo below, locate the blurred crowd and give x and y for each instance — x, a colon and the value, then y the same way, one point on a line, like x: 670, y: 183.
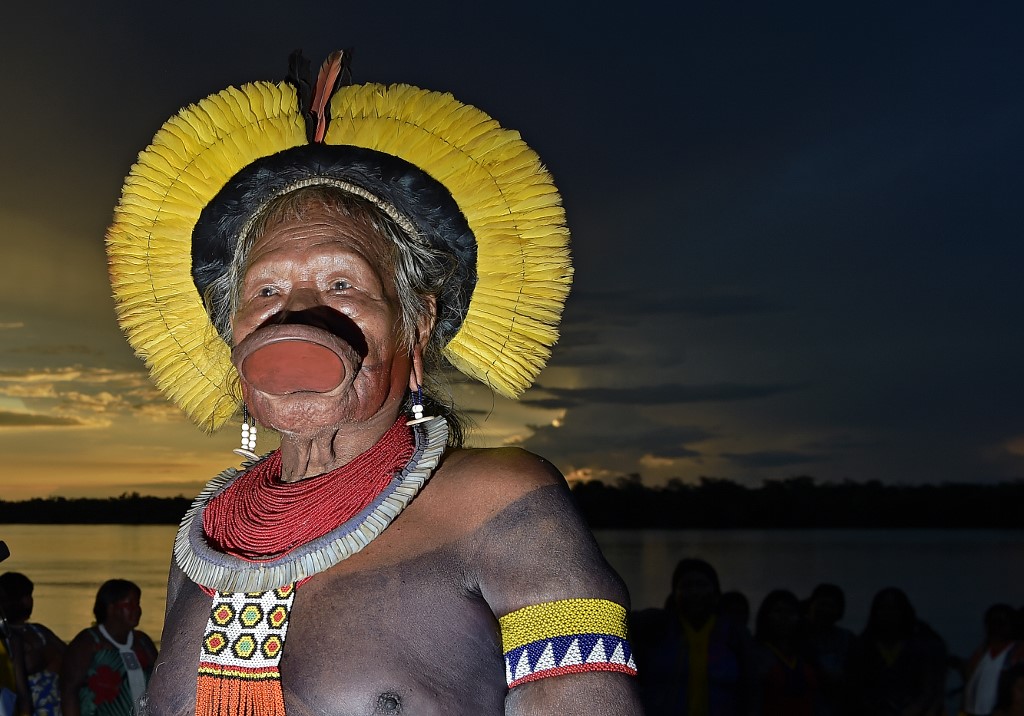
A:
x: 698, y: 657
x: 103, y: 671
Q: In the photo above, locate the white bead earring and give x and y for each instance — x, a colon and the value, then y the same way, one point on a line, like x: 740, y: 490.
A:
x: 248, y: 448
x: 417, y: 408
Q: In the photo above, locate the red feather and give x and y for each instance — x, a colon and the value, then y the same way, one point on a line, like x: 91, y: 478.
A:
x: 325, y: 84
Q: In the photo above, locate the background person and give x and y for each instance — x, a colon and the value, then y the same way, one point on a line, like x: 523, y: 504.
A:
x: 9, y: 682
x: 829, y: 646
x: 39, y: 650
x: 107, y: 666
x: 898, y: 665
x: 998, y: 652
x: 690, y: 660
x: 1010, y: 697
x: 788, y: 683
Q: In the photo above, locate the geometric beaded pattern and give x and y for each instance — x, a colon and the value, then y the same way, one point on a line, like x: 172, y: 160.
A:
x: 565, y: 637
x: 244, y: 636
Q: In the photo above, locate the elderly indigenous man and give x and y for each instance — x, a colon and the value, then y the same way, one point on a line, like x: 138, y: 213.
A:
x: 309, y: 252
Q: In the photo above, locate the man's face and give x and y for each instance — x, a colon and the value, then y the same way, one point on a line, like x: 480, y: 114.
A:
x: 334, y: 274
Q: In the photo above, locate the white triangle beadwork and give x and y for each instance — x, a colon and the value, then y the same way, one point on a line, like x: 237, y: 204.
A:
x: 597, y: 655
x: 619, y: 655
x: 572, y: 657
x: 546, y: 660
x: 523, y: 667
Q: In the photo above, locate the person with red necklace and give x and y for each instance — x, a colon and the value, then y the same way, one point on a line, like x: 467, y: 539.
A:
x: 312, y: 254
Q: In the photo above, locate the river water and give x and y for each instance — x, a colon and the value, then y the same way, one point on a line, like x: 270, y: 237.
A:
x: 951, y: 576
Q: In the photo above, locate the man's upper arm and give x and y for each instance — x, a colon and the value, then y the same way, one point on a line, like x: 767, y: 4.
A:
x: 569, y: 655
x: 176, y: 579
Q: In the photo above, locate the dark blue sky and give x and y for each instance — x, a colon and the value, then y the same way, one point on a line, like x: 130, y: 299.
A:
x: 795, y: 225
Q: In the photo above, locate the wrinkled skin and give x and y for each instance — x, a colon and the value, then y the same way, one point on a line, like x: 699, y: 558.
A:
x: 315, y: 265
x: 409, y: 624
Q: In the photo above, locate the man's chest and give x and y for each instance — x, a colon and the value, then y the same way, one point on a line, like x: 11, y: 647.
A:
x: 408, y: 638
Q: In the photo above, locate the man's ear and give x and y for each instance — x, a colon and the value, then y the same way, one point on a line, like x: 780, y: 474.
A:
x: 416, y: 371
x: 424, y: 327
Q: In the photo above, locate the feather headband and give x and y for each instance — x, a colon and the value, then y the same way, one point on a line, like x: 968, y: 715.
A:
x: 459, y: 179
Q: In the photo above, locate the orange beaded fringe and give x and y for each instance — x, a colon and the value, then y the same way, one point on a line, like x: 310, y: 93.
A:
x: 220, y: 696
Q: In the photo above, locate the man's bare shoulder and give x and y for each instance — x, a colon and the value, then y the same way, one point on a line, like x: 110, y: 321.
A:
x: 503, y: 469
x: 522, y: 539
x: 484, y: 481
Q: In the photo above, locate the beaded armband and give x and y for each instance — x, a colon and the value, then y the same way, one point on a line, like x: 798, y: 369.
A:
x: 569, y: 636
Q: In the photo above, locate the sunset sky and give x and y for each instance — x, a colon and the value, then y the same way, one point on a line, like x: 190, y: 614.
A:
x: 796, y: 227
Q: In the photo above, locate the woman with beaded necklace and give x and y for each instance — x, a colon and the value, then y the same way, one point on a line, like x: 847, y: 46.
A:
x: 106, y: 666
x: 313, y: 254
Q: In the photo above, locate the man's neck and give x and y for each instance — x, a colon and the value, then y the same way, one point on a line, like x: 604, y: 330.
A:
x: 304, y: 456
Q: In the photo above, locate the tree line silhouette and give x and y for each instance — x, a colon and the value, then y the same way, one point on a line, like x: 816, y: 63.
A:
x: 127, y: 509
x: 626, y: 503
x: 797, y: 502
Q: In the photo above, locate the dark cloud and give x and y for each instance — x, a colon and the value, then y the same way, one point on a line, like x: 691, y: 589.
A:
x: 549, y: 403
x: 34, y: 420
x: 843, y: 442
x: 676, y: 452
x: 613, y: 439
x: 771, y: 458
x: 54, y: 350
x: 588, y: 307
x: 575, y: 352
x: 657, y: 394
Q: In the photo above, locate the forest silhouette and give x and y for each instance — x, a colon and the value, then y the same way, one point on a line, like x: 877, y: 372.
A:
x: 627, y: 503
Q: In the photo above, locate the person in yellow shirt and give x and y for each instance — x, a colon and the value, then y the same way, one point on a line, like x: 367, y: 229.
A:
x: 692, y: 659
x: 8, y: 684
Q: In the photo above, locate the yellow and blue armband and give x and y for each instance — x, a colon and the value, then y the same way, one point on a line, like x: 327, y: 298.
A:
x: 569, y: 636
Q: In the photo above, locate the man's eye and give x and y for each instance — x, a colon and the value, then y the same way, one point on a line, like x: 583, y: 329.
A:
x: 340, y: 285
x: 266, y: 292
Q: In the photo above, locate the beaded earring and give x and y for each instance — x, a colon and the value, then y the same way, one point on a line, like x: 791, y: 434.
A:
x: 417, y: 408
x: 248, y: 448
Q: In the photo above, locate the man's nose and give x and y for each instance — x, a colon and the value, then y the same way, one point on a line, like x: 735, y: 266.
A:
x: 300, y: 298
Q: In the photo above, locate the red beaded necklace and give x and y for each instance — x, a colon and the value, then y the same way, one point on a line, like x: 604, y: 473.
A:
x: 259, y: 517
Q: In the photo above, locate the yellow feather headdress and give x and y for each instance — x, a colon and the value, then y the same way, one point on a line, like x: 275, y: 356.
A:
x: 504, y: 193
